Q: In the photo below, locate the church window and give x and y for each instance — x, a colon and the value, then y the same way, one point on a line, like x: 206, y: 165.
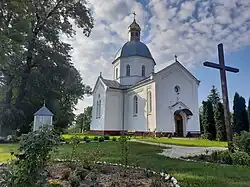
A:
x: 149, y: 101
x: 143, y: 71
x: 98, y: 107
x: 136, y: 34
x: 116, y: 73
x: 128, y: 70
x: 135, y: 105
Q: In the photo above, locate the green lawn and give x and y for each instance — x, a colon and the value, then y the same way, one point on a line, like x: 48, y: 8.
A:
x: 81, y: 135
x: 193, y: 142
x: 189, y: 174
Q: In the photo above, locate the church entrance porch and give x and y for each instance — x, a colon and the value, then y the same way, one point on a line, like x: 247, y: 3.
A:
x: 179, y: 125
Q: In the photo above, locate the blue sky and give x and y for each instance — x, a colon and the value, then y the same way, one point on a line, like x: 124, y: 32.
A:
x: 191, y: 29
x: 236, y: 82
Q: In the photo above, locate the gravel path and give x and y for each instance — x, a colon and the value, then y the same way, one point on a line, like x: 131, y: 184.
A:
x: 176, y: 151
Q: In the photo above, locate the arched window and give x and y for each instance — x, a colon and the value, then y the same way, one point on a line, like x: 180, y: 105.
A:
x: 135, y: 105
x: 98, y: 107
x: 128, y: 70
x: 116, y: 73
x: 143, y: 71
x: 149, y: 101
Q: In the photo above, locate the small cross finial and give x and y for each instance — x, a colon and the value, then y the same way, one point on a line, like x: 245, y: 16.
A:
x: 175, y: 56
x: 134, y: 14
x: 44, y: 102
x: 100, y: 74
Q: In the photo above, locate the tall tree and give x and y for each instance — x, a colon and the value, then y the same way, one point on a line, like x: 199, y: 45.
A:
x: 214, y: 96
x: 83, y: 120
x: 35, y: 63
x: 208, y: 120
x: 221, y: 133
x: 248, y: 111
x: 240, y: 117
x: 201, y: 119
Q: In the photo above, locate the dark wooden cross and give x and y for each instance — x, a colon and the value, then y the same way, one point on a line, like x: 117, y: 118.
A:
x: 221, y: 66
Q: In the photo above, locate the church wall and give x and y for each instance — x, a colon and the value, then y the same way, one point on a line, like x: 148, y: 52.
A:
x: 114, y: 110
x: 98, y: 123
x: 166, y: 80
x: 142, y: 121
x: 135, y: 63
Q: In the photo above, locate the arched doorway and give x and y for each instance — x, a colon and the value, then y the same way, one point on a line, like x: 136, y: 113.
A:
x: 178, y: 125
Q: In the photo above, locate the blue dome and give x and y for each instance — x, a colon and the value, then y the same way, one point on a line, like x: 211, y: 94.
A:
x: 134, y: 48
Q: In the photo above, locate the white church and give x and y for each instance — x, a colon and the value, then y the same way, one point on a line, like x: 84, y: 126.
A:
x: 141, y: 100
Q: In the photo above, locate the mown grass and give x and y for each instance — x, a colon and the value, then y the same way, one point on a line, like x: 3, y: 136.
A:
x: 189, y: 174
x: 82, y: 135
x: 192, y: 142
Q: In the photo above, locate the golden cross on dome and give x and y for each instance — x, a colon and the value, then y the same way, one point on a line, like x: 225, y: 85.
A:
x: 134, y: 14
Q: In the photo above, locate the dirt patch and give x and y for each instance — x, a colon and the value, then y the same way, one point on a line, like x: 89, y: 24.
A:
x: 106, y: 176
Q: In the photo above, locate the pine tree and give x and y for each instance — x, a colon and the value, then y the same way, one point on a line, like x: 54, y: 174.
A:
x: 214, y: 96
x: 208, y: 120
x: 240, y: 117
x: 248, y: 111
x: 220, y: 122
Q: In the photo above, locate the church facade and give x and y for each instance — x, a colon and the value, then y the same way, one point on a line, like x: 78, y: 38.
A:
x: 141, y: 100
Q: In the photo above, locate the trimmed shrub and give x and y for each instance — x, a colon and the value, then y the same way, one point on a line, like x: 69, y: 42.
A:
x: 106, y: 137
x: 95, y: 138
x: 224, y: 157
x: 242, y: 142
x: 101, y: 139
x: 241, y: 158
x: 88, y: 140
x: 189, y: 135
x: 85, y: 138
x: 114, y: 139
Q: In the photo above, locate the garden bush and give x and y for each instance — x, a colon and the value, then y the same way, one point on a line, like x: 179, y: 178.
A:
x: 224, y: 157
x: 106, y: 137
x: 189, y: 135
x: 74, y: 180
x: 114, y: 139
x: 95, y: 138
x: 241, y: 158
x: 101, y: 139
x: 88, y: 140
x: 242, y: 142
x: 34, y: 152
x: 85, y: 138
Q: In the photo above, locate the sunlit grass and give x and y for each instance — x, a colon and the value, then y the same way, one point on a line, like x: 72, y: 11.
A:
x: 194, y: 142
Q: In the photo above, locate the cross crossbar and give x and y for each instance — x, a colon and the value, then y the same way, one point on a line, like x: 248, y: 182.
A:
x: 218, y: 66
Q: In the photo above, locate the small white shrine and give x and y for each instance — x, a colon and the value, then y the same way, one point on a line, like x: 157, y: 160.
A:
x: 42, y: 117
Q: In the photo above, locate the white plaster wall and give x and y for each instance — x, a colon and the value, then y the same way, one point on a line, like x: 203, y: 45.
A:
x: 42, y: 120
x: 135, y: 63
x: 166, y: 80
x: 113, y: 110
x: 143, y: 121
x: 98, y: 123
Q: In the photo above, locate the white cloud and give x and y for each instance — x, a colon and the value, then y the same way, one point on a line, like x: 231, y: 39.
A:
x: 190, y: 29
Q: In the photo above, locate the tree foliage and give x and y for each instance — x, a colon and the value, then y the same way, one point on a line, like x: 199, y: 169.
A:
x: 219, y: 118
x: 208, y: 120
x: 240, y: 117
x: 35, y: 64
x: 214, y: 96
x: 83, y: 120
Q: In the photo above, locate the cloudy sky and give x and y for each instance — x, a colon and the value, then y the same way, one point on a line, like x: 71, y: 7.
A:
x: 190, y: 29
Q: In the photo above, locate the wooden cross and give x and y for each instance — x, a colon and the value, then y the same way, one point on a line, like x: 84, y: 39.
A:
x: 221, y: 66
